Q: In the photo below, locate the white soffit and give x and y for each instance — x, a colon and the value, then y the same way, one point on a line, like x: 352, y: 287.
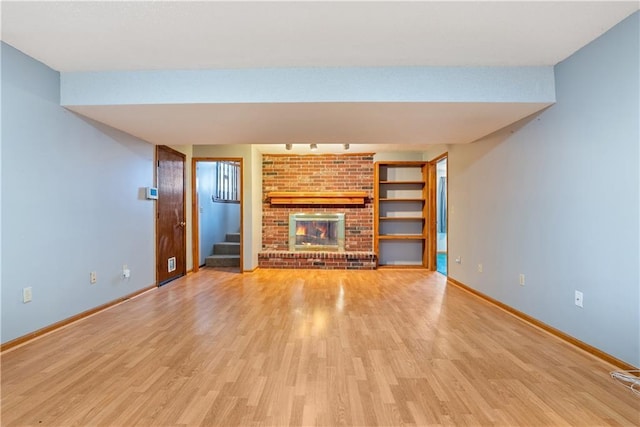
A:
x: 129, y: 35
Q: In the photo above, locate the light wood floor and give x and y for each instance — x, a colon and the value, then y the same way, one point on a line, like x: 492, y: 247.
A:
x: 292, y: 347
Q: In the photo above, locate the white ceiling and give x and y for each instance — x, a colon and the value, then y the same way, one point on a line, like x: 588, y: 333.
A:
x: 127, y: 35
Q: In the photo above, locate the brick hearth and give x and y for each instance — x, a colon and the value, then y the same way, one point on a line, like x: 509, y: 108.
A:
x: 318, y: 260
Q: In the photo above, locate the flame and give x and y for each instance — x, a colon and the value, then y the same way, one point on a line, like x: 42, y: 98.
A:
x: 316, y: 230
x: 323, y: 231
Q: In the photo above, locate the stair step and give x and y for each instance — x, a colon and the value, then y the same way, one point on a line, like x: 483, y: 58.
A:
x: 226, y: 248
x: 222, y: 261
x: 233, y: 237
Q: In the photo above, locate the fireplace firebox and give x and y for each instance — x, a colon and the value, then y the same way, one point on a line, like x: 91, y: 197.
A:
x: 316, y: 232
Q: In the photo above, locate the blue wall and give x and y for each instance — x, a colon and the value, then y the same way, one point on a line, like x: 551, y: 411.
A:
x: 556, y: 197
x: 72, y: 203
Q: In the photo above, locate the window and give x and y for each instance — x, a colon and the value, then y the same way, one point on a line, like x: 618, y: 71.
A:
x: 227, y: 182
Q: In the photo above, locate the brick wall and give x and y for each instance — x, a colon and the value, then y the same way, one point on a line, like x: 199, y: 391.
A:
x: 328, y: 172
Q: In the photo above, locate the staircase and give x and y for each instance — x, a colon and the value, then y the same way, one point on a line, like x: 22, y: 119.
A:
x: 227, y: 253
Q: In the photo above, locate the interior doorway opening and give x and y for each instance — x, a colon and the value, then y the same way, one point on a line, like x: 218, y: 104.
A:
x: 217, y: 195
x: 441, y: 216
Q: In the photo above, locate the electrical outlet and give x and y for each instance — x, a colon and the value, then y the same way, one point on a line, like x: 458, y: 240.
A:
x: 579, y: 299
x: 93, y: 277
x: 479, y: 268
x: 521, y: 279
x: 126, y: 273
x: 459, y: 260
x: 26, y: 294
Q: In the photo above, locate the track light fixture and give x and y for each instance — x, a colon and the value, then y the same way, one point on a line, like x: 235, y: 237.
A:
x: 314, y: 147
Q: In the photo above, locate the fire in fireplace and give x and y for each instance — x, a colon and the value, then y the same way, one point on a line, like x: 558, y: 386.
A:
x: 316, y: 232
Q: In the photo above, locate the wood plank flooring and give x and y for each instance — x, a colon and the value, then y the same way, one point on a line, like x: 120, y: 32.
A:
x: 307, y: 347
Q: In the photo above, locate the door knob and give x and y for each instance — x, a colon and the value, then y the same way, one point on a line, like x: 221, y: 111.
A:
x: 182, y: 224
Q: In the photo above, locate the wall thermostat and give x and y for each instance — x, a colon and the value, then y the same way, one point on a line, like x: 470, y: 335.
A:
x: 152, y: 193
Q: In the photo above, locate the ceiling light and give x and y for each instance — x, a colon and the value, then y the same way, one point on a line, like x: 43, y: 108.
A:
x: 346, y: 146
x: 313, y: 147
x: 288, y: 146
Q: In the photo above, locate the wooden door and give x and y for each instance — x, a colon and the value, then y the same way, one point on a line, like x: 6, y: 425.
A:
x: 170, y: 221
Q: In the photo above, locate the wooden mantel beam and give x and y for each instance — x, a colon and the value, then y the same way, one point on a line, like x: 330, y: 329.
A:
x: 317, y: 198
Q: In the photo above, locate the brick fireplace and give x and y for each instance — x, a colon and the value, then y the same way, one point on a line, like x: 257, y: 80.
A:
x: 317, y: 173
